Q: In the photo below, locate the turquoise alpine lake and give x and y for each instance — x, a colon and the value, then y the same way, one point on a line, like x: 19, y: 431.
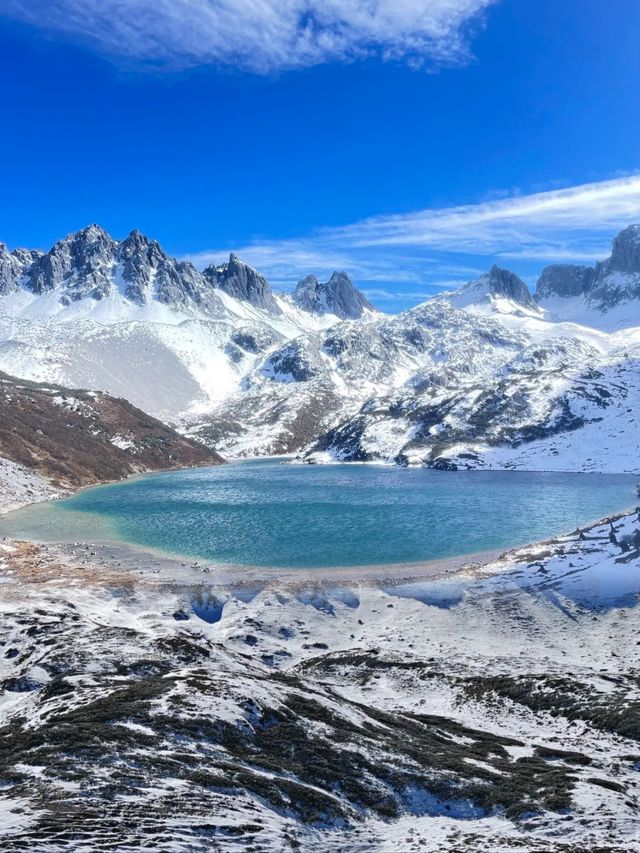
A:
x: 271, y: 513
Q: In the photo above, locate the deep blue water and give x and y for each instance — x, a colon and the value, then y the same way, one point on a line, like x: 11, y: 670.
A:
x: 271, y: 513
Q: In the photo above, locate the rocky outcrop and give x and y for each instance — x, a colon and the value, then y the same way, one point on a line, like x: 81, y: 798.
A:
x: 610, y: 283
x: 337, y: 296
x: 13, y: 266
x: 497, y: 283
x: 564, y: 280
x: 89, y: 264
x: 244, y: 283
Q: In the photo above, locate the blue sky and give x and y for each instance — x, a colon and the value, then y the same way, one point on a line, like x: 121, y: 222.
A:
x: 411, y: 142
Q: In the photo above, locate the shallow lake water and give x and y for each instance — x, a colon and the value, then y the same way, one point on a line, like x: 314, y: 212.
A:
x: 272, y: 513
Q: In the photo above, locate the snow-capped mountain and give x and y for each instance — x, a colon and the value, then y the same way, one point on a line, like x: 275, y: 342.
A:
x: 487, y: 375
x: 124, y: 317
x: 337, y: 296
x: 566, y: 400
x: 90, y: 265
x: 307, y: 385
x: 243, y: 283
x: 606, y: 295
x: 496, y: 290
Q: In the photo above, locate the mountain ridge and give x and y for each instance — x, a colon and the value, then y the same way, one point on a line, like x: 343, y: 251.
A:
x: 609, y: 284
x: 89, y: 263
x: 319, y: 372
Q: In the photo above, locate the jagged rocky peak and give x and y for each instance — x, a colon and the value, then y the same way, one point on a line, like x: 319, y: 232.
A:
x: 244, y: 283
x: 497, y: 283
x: 149, y: 273
x: 507, y: 284
x: 625, y: 251
x: 337, y: 296
x: 610, y: 283
x: 82, y: 262
x: 90, y: 264
x: 13, y: 265
x: 564, y: 280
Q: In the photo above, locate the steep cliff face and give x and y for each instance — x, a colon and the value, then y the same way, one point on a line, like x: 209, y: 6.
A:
x: 244, y: 283
x: 564, y: 280
x: 337, y: 296
x: 496, y: 284
x: 609, y: 284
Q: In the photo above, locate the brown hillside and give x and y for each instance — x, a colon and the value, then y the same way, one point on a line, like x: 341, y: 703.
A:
x: 77, y: 438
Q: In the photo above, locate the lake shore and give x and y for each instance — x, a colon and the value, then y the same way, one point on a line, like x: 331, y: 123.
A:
x: 152, y: 564
x: 109, y: 564
x: 88, y: 537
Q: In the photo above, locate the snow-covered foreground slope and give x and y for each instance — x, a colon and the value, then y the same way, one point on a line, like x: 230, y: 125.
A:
x: 494, y: 710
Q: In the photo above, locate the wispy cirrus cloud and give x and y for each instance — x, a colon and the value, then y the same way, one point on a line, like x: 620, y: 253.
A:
x: 444, y: 247
x: 260, y: 35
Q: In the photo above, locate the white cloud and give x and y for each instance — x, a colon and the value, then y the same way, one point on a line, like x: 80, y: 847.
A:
x: 522, y: 222
x: 430, y: 247
x: 260, y: 35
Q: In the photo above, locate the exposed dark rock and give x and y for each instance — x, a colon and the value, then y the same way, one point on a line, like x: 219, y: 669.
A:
x: 497, y: 282
x: 337, y: 296
x: 564, y: 280
x: 13, y: 267
x: 611, y: 282
x: 244, y: 283
x: 505, y: 283
x: 141, y: 259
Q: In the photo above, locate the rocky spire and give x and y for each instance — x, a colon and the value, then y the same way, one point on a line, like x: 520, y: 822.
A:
x: 244, y: 283
x: 337, y: 296
x: 140, y: 258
